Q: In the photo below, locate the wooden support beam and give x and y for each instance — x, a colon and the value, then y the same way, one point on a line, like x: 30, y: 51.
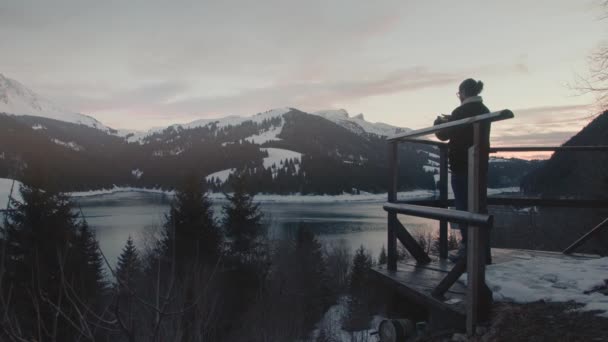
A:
x: 458, y: 216
x: 478, y: 300
x: 412, y: 246
x: 587, y: 236
x: 459, y: 268
x: 443, y: 197
x: 393, y: 166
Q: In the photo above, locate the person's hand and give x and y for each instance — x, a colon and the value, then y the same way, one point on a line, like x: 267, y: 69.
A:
x: 441, y: 119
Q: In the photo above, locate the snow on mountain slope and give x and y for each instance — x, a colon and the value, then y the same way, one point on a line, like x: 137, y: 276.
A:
x: 277, y: 155
x: 133, y: 136
x: 276, y: 160
x: 16, y: 99
x: 358, y: 124
x: 6, y: 185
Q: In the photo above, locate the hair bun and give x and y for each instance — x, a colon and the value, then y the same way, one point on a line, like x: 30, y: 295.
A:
x: 479, y: 87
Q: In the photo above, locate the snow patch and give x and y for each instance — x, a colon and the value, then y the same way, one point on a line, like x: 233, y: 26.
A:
x: 117, y: 189
x: 533, y: 278
x: 71, y: 145
x: 38, y: 127
x: 5, y: 191
x: 276, y: 155
x: 331, y: 324
x: 271, y: 134
x: 498, y: 160
x: 137, y: 173
x: 221, y: 175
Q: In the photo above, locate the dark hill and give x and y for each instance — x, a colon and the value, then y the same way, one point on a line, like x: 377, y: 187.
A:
x: 575, y: 174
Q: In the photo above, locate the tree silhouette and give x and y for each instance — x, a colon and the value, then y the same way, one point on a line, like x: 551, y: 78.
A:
x: 242, y: 218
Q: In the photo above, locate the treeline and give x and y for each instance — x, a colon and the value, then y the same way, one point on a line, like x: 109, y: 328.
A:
x: 334, y: 160
x: 200, y: 280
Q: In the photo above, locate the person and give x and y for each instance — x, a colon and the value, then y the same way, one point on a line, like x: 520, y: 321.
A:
x: 460, y: 139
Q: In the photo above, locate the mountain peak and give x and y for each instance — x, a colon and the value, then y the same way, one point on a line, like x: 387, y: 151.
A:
x: 338, y: 113
x: 17, y: 99
x: 358, y: 124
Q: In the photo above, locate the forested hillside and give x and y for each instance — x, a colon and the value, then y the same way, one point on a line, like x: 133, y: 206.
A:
x: 580, y: 174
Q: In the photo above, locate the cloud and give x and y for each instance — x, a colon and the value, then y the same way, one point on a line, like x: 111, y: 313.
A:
x: 533, y: 139
x: 314, y: 95
x: 542, y: 125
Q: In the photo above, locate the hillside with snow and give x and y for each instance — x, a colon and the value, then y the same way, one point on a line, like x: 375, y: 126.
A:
x: 16, y: 99
x: 283, y: 150
x: 357, y: 124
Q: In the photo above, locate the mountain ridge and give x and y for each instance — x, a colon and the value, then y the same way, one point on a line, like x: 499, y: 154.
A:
x: 17, y: 99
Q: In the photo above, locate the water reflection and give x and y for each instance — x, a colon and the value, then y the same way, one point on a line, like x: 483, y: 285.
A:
x: 117, y: 216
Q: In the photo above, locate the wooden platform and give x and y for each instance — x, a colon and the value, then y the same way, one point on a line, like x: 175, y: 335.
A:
x: 416, y: 282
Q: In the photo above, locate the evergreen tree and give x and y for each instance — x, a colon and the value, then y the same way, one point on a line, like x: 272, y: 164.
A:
x: 382, y: 258
x: 242, y: 218
x: 128, y: 273
x: 89, y: 274
x: 359, y: 303
x: 129, y: 268
x: 191, y: 234
x: 362, y: 263
x: 41, y: 231
x: 312, y: 280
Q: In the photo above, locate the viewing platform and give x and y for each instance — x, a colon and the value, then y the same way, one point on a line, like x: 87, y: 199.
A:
x: 417, y: 282
x: 436, y: 285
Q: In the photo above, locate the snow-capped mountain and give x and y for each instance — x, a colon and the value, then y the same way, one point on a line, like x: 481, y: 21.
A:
x: 358, y: 124
x: 16, y: 99
x: 133, y: 136
x: 283, y: 150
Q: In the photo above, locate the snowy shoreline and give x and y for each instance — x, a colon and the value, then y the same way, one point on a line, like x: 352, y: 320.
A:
x: 5, y: 185
x: 294, y: 198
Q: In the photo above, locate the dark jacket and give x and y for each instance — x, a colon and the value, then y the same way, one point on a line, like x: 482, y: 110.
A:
x: 461, y: 138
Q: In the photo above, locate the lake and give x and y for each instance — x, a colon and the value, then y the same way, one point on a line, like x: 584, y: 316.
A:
x: 116, y: 216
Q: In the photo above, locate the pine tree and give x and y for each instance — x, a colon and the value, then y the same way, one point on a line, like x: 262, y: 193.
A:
x: 129, y: 268
x: 128, y: 273
x: 312, y: 272
x: 359, y: 300
x: 242, y: 218
x: 41, y: 231
x: 382, y: 258
x: 191, y: 234
x: 89, y: 270
x: 362, y: 262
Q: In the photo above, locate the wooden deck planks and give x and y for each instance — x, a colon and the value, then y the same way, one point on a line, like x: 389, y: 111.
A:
x: 417, y: 281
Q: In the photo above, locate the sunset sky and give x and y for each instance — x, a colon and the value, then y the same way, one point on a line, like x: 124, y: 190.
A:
x: 139, y: 64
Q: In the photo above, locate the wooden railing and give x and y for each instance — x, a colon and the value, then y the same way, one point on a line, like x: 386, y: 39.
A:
x: 479, y: 296
x: 479, y: 223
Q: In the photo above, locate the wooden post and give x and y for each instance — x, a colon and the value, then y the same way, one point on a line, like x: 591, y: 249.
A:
x: 443, y: 197
x: 478, y: 303
x: 393, y: 164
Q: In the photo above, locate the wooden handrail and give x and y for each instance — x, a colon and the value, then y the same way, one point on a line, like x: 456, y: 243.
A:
x: 548, y: 148
x: 489, y: 117
x: 425, y: 142
x: 451, y: 215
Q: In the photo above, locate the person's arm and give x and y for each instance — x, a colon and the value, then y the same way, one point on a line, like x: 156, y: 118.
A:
x: 443, y: 135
